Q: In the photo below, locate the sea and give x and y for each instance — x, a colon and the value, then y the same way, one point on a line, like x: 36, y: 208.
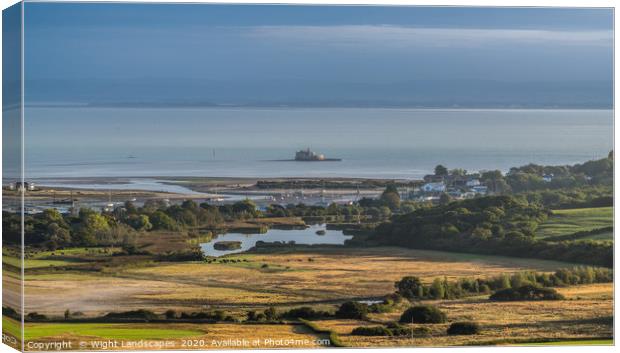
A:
x: 82, y: 141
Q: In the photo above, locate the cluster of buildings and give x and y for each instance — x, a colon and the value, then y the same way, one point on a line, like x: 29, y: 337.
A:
x: 21, y: 186
x: 455, y: 186
x: 307, y: 155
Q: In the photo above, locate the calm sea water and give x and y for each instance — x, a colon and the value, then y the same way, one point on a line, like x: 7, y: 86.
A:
x: 373, y: 143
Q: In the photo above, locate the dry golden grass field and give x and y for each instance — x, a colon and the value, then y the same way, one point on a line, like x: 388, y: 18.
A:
x: 314, y: 276
x: 586, y: 314
x: 95, y: 282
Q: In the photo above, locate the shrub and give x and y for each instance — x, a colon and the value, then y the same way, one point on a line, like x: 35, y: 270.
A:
x: 197, y: 316
x: 194, y: 254
x: 170, y: 314
x: 391, y: 329
x: 34, y: 316
x: 10, y: 312
x: 305, y: 312
x: 218, y: 315
x: 141, y: 314
x: 423, y: 314
x: 464, y: 328
x: 410, y: 287
x: 380, y: 308
x: 271, y: 314
x: 371, y: 331
x: 419, y: 331
x: 527, y: 292
x: 251, y: 316
x: 352, y: 310
x: 400, y: 330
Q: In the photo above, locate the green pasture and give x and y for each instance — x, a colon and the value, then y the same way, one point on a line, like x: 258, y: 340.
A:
x: 564, y: 222
x: 108, y: 331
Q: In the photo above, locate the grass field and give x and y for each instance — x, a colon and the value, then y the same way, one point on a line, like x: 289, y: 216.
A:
x: 564, y: 222
x: 608, y: 342
x: 284, y: 278
x: 305, y: 277
x: 177, y: 335
x: 109, y: 331
x: 585, y: 318
x: 11, y: 327
x: 585, y: 315
x: 58, y: 258
x: 34, y: 263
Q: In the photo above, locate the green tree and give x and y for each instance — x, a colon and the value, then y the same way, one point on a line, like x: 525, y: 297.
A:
x: 246, y: 207
x: 160, y: 220
x: 458, y: 172
x: 505, y: 281
x: 423, y: 314
x: 170, y: 314
x: 391, y: 198
x: 437, y: 290
x: 409, y: 287
x: 139, y: 222
x: 130, y: 208
x: 91, y: 224
x: 52, y: 215
x: 440, y: 170
x: 352, y: 310
x: 58, y: 235
x: 385, y: 211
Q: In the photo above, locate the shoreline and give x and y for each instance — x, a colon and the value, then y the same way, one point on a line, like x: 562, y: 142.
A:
x: 103, y: 191
x: 200, y: 187
x: 123, y: 179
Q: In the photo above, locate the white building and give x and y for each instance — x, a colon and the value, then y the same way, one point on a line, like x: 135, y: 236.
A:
x: 434, y: 187
x: 25, y: 186
x: 472, y: 182
x: 481, y: 189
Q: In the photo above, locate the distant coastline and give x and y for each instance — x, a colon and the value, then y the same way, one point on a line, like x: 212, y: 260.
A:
x: 318, y: 105
x: 326, y: 93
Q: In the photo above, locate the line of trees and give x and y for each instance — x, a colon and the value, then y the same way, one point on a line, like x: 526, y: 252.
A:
x: 531, y: 177
x: 412, y: 288
x: 52, y: 230
x: 499, y: 225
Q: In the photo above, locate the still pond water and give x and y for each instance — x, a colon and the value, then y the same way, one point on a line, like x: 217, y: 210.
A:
x: 306, y: 236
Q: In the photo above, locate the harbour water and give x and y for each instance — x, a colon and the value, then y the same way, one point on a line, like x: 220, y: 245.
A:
x: 306, y: 236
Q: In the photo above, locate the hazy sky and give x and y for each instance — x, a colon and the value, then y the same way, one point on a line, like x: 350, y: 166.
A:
x: 401, y: 56
x: 360, y: 44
